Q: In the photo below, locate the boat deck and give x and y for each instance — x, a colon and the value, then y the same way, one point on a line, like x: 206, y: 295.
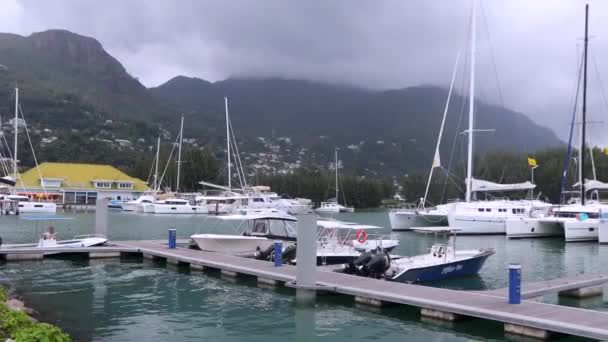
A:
x: 490, y: 305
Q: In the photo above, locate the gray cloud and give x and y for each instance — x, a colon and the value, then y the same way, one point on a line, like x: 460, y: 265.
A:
x: 378, y: 44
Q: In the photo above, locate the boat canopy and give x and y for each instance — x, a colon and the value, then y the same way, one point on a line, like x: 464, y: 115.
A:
x: 486, y: 186
x: 251, y: 217
x: 333, y: 224
x: 591, y: 184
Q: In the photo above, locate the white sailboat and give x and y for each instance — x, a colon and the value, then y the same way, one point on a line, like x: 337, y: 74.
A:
x: 485, y: 217
x: 333, y: 205
x: 25, y: 204
x: 578, y: 221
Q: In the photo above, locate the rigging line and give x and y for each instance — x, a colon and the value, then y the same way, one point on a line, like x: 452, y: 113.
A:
x: 151, y: 169
x: 160, y: 181
x: 27, y: 133
x: 492, y: 57
x: 599, y: 81
x: 237, y: 157
x: 456, y: 132
x: 566, y: 164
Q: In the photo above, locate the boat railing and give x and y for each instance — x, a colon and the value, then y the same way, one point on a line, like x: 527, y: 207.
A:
x: 86, y: 236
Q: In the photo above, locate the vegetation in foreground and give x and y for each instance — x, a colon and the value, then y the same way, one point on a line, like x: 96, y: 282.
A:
x: 17, y: 325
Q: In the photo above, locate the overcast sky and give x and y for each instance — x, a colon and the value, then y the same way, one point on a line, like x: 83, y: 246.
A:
x: 527, y: 49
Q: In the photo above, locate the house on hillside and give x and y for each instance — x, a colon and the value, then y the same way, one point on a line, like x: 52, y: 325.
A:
x: 80, y: 183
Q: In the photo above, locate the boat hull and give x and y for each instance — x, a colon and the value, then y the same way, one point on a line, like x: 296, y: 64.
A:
x: 575, y: 230
x: 474, y: 225
x: 532, y: 228
x: 406, y: 220
x: 459, y: 268
x: 37, y: 207
x: 179, y: 209
x: 603, y: 231
x: 231, y: 244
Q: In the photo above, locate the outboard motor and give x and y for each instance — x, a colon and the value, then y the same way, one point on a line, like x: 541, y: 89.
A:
x: 264, y: 255
x: 379, y: 264
x: 364, y: 258
x: 289, y: 254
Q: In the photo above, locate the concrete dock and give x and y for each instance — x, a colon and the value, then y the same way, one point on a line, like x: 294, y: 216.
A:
x: 530, y: 318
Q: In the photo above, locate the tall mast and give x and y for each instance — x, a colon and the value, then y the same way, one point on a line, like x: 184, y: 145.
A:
x: 156, y: 185
x: 469, y: 179
x: 336, y: 164
x: 228, y: 144
x: 583, y: 128
x: 16, y: 132
x: 179, y: 153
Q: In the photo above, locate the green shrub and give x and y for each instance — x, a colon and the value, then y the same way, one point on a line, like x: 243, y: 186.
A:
x: 41, y: 332
x: 3, y: 295
x: 14, y: 320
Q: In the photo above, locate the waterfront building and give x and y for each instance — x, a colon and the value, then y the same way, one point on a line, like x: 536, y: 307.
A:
x: 78, y: 183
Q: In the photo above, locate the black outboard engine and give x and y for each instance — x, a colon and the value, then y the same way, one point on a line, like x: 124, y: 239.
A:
x: 379, y: 264
x: 289, y: 254
x: 0, y: 240
x: 264, y: 254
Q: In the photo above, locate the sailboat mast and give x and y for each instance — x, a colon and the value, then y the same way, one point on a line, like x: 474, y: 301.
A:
x: 16, y: 132
x: 336, y: 164
x: 583, y: 128
x: 469, y: 179
x: 179, y: 153
x: 156, y: 185
x: 228, y: 144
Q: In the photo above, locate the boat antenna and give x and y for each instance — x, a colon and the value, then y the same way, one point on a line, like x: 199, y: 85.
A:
x: 583, y: 128
x: 336, y: 165
x: 16, y: 132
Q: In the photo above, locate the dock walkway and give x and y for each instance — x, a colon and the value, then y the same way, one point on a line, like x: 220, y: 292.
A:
x: 539, y: 288
x: 528, y: 314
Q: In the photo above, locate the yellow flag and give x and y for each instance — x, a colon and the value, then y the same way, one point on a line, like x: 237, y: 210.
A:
x: 532, y: 161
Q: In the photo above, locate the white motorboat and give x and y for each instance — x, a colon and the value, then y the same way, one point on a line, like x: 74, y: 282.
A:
x: 337, y: 242
x: 26, y: 206
x: 137, y: 205
x: 177, y: 206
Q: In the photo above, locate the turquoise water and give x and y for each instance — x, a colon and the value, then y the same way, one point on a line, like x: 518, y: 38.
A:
x: 133, y: 299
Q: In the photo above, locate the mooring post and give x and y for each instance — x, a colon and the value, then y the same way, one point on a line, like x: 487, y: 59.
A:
x: 514, y: 284
x: 101, y: 216
x: 306, y: 256
x: 172, y: 238
x: 278, y: 253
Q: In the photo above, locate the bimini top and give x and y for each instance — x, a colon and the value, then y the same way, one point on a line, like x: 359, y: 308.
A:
x: 257, y: 216
x: 333, y: 224
x: 591, y: 184
x: 480, y: 185
x: 44, y: 218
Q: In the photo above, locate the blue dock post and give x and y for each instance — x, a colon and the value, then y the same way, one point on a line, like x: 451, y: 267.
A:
x: 278, y: 253
x: 172, y: 238
x: 514, y: 284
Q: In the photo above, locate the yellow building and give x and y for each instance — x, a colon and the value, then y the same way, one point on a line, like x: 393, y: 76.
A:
x: 79, y: 183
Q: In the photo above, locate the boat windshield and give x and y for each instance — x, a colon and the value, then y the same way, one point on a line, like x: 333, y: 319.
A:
x: 279, y: 228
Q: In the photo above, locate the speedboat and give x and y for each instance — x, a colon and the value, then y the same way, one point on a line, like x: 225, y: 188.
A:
x: 442, y: 262
x: 337, y: 242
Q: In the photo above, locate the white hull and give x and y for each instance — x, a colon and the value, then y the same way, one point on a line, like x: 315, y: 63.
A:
x: 179, y: 209
x: 129, y: 206
x: 37, y: 207
x: 472, y: 225
x: 232, y: 244
x: 575, y: 230
x: 146, y: 208
x: 328, y: 210
x: 405, y: 220
x: 533, y: 228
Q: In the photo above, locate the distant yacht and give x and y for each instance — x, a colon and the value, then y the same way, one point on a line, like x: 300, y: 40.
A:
x: 333, y: 205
